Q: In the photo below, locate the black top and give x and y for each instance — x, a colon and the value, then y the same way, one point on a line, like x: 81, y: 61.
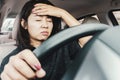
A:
x: 55, y: 64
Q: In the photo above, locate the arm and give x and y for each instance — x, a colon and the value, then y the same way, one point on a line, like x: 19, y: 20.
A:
x: 44, y: 9
x: 69, y: 19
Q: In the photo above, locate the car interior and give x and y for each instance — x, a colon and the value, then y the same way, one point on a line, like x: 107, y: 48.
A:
x: 99, y: 59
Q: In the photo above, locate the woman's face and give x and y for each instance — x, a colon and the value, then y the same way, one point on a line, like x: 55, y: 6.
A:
x: 39, y: 27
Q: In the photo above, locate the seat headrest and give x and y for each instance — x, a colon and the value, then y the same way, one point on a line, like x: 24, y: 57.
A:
x: 15, y: 27
x: 90, y: 20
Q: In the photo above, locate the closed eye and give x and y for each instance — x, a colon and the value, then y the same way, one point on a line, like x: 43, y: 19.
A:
x: 49, y: 20
x: 38, y: 20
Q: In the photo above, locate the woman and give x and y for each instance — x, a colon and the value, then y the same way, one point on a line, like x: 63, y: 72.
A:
x: 39, y: 20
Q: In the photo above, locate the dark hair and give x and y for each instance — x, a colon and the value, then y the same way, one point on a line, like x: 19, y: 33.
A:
x: 23, y: 38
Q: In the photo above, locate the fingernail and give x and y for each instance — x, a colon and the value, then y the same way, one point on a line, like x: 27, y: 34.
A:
x: 38, y: 67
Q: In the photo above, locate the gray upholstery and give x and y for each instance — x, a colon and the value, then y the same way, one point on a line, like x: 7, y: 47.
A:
x: 9, y: 44
x: 15, y: 27
x: 90, y: 19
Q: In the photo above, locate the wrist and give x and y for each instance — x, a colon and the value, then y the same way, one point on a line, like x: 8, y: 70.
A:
x: 63, y: 13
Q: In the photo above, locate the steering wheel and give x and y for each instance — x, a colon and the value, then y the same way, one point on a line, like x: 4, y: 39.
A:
x: 70, y: 34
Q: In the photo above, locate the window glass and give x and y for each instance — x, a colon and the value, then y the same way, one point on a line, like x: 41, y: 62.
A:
x: 117, y: 16
x: 8, y: 25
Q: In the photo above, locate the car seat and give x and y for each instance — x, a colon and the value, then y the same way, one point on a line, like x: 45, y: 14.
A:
x: 7, y: 47
x: 87, y: 20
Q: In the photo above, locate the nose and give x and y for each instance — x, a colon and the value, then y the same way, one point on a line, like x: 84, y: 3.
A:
x: 44, y: 24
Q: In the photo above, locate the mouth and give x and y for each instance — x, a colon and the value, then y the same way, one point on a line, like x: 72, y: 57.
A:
x: 45, y: 33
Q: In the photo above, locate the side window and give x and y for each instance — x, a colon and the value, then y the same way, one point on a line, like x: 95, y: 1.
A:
x: 7, y: 25
x: 117, y: 16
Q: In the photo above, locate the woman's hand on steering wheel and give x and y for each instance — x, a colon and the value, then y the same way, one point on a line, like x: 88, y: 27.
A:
x: 23, y: 66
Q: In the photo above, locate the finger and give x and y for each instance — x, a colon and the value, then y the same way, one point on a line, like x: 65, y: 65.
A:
x: 39, y: 8
x: 22, y: 67
x: 30, y: 59
x: 40, y: 4
x: 4, y: 76
x: 40, y: 73
x: 13, y: 74
x: 41, y: 12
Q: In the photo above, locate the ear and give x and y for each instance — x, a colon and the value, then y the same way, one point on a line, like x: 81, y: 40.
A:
x: 24, y: 24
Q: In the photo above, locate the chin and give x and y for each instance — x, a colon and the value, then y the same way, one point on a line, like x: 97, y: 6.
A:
x: 43, y: 39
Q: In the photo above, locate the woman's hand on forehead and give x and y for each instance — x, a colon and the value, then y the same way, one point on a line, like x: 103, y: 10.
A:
x: 44, y: 9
